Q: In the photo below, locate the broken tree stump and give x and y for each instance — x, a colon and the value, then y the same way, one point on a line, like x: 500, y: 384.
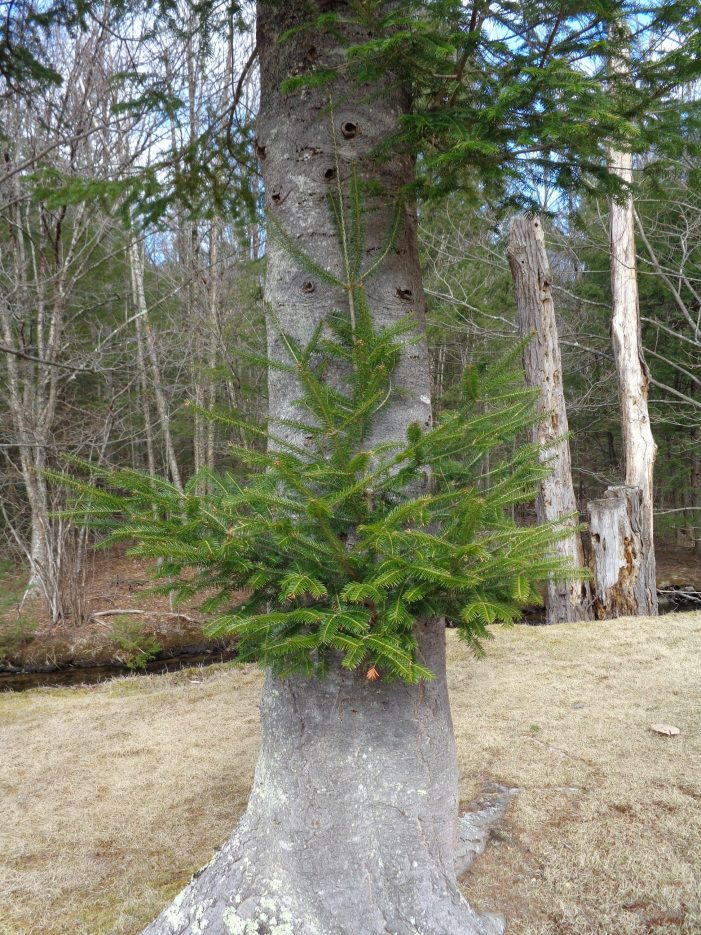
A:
x: 618, y: 558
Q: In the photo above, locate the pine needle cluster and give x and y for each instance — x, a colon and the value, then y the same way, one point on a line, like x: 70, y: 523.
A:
x: 339, y: 547
x: 332, y: 545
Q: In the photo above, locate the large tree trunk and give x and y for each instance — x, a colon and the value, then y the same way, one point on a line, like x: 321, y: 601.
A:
x: 566, y: 600
x: 352, y: 827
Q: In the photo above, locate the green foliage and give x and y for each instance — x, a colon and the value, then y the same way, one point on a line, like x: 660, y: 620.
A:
x: 340, y: 541
x: 340, y: 544
x: 24, y: 64
x: 505, y: 95
x: 138, y: 649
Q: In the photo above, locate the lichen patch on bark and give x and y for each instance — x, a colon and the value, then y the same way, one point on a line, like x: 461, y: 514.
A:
x: 173, y: 914
x: 266, y: 921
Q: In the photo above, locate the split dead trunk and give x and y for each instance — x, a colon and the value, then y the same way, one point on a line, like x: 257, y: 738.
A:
x: 639, y: 448
x: 351, y: 828
x: 567, y: 600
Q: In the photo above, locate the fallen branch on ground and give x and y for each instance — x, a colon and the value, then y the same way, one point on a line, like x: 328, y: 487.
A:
x: 146, y: 613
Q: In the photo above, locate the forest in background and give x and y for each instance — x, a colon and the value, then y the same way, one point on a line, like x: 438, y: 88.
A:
x: 195, y: 222
x: 123, y: 313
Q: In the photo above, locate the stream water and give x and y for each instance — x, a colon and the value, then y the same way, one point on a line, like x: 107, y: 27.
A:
x: 89, y: 675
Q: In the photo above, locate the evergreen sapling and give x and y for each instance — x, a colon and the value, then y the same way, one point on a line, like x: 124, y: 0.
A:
x: 335, y: 547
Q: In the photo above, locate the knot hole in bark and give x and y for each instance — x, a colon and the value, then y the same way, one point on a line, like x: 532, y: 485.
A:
x: 307, y: 287
x: 276, y: 197
x: 260, y: 150
x: 349, y: 130
x: 330, y: 174
x: 405, y: 294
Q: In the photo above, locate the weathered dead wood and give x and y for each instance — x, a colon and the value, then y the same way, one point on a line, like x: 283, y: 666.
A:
x: 566, y: 600
x: 118, y: 611
x: 639, y: 448
x: 619, y: 559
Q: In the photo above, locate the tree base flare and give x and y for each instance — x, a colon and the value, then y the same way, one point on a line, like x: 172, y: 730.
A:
x: 352, y: 825
x: 228, y: 898
x: 214, y: 900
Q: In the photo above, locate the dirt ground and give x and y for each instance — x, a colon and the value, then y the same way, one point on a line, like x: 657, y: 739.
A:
x: 118, y: 582
x: 107, y: 811
x: 677, y: 565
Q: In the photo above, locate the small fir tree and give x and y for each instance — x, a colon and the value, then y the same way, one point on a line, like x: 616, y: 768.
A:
x: 339, y: 545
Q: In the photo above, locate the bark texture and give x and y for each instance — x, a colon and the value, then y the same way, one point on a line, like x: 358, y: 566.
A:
x: 352, y: 822
x: 696, y: 492
x: 639, y: 448
x: 303, y: 144
x: 567, y: 600
x: 618, y: 554
x: 352, y: 825
x: 137, y: 273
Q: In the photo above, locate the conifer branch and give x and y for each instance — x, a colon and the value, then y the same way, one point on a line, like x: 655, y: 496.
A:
x: 336, y: 552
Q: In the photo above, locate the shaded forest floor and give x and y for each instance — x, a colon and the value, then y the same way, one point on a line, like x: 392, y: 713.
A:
x: 114, y: 794
x: 677, y: 565
x: 29, y: 643
x: 146, y: 627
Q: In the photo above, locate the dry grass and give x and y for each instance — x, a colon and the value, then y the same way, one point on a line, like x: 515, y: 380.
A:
x: 114, y: 794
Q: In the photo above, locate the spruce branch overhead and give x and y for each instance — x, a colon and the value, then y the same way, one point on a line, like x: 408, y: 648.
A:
x: 503, y: 95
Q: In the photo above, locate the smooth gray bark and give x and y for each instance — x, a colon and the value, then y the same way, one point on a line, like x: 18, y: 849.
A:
x: 566, y: 600
x: 352, y: 824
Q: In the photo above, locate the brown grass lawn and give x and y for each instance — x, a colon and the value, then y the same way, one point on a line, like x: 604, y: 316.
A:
x: 113, y: 795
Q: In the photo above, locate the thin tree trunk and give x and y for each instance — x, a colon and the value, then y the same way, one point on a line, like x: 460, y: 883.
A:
x: 31, y: 390
x: 639, y: 448
x: 143, y: 383
x: 214, y: 298
x: 137, y: 272
x: 696, y: 490
x: 351, y: 828
x: 528, y: 259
